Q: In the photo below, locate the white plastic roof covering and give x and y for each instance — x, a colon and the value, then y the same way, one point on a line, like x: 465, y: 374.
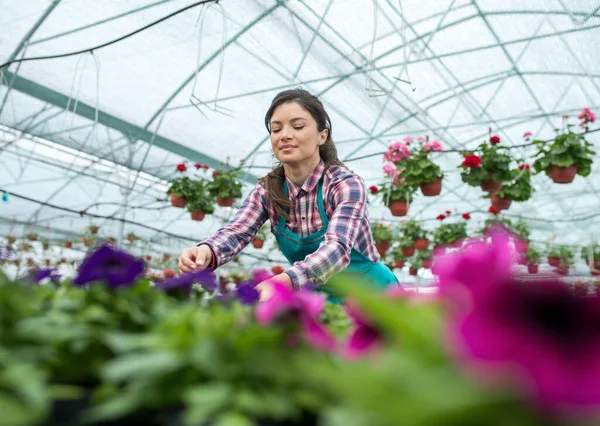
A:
x: 512, y: 66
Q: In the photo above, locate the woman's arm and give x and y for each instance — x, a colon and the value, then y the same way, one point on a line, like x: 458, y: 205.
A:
x: 228, y: 241
x: 349, y: 200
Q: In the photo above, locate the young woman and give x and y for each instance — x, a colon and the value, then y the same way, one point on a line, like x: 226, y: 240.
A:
x: 317, y: 207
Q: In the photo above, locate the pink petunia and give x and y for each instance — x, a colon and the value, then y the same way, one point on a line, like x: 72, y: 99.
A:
x: 433, y: 146
x: 304, y: 307
x: 364, y: 338
x: 537, y: 335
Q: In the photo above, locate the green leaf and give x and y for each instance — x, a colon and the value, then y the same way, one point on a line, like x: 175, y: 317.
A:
x: 204, y: 401
x: 233, y: 419
x: 142, y: 365
x: 15, y: 413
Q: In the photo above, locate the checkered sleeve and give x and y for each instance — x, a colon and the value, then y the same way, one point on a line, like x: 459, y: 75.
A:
x: 228, y: 241
x: 349, y: 198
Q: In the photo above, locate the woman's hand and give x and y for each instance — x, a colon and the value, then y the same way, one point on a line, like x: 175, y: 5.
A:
x: 265, y: 288
x: 194, y: 259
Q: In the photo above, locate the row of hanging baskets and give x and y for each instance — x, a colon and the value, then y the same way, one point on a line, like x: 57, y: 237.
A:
x: 490, y: 167
x: 200, y: 194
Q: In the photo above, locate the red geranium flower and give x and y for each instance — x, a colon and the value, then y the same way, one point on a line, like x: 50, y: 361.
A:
x: 494, y: 140
x: 198, y: 166
x: 471, y: 160
x: 441, y: 217
x: 524, y: 166
x: 448, y: 212
x: 169, y: 273
x: 493, y: 210
x: 181, y: 167
x: 466, y: 216
x: 205, y: 167
x: 373, y: 189
x: 277, y: 269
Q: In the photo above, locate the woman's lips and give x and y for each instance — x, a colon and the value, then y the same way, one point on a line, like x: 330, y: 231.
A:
x: 286, y: 148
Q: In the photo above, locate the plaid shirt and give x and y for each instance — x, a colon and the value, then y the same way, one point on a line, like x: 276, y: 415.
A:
x: 345, y: 198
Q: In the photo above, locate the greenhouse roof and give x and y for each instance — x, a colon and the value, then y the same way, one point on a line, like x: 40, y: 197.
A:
x: 101, y: 132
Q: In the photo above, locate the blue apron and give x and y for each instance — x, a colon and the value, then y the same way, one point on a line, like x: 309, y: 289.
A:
x: 295, y: 248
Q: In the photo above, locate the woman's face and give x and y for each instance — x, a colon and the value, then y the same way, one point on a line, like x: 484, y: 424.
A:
x: 295, y: 138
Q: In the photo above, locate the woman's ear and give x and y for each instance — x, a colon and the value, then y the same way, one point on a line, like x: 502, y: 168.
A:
x: 323, y: 136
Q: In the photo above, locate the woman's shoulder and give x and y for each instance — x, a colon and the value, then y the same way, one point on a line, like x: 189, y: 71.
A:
x: 337, y: 174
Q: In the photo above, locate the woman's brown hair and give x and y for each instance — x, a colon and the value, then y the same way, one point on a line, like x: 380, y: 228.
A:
x: 273, y: 182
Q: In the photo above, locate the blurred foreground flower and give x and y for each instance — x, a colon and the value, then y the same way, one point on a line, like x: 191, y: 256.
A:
x: 538, y: 333
x: 116, y: 268
x: 302, y: 307
x: 184, y: 282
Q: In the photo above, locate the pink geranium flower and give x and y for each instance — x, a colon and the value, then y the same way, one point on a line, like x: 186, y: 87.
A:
x: 421, y: 139
x: 396, y: 152
x: 408, y: 140
x: 527, y: 135
x: 536, y: 334
x: 586, y: 116
x: 433, y: 146
x: 303, y: 307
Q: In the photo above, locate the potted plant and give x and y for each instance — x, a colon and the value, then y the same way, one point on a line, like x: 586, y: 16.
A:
x: 519, y: 189
x: 259, y: 239
x: 411, y: 229
x: 398, y: 256
x: 420, y: 171
x: 131, y: 237
x: 382, y: 235
x: 199, y: 200
x: 31, y: 236
x: 553, y: 255
x: 179, y: 187
x: 522, y: 231
x: 450, y: 234
x: 533, y: 260
x: 11, y: 239
x: 488, y: 166
x: 415, y: 265
x: 568, y: 155
x: 425, y: 258
x: 69, y: 244
x: 567, y: 259
x: 591, y: 256
x: 93, y: 229
x: 226, y: 186
x: 397, y: 197
x: 407, y: 246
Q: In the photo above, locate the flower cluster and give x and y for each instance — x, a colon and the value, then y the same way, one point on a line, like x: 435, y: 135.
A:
x: 471, y: 160
x: 201, y: 166
x: 586, y: 116
x: 396, y: 152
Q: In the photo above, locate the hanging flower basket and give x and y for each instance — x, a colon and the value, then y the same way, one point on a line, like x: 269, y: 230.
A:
x: 399, y: 208
x: 562, y: 270
x: 431, y: 189
x: 408, y: 251
x: 225, y: 202
x: 382, y: 247
x: 397, y: 196
x: 532, y: 269
x: 198, y: 216
x: 553, y: 261
x: 399, y: 264
x: 486, y: 167
x: 177, y: 201
x: 427, y: 263
x: 421, y: 243
x: 413, y: 271
x: 69, y: 244
x: 491, y: 185
x: 257, y: 243
x: 563, y: 174
x: 439, y: 250
x: 500, y: 203
x: 569, y: 154
x: 11, y: 239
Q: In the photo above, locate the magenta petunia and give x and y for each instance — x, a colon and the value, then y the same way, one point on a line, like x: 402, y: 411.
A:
x: 364, y: 339
x: 537, y: 334
x: 303, y: 307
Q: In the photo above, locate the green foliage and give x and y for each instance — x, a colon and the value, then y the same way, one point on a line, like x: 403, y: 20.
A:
x: 381, y: 232
x: 412, y: 230
x: 553, y: 251
x: 393, y: 192
x: 495, y: 165
x: 448, y: 233
x: 519, y: 188
x: 180, y: 186
x: 595, y: 251
x: 396, y: 253
x: 226, y: 184
x: 534, y: 255
x: 567, y: 256
x: 522, y: 229
x: 198, y: 197
x: 419, y: 169
x: 568, y: 149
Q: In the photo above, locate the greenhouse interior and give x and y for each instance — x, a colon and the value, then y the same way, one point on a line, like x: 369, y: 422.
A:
x: 294, y: 212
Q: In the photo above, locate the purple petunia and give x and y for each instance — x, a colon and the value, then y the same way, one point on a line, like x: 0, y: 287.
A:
x: 246, y: 294
x: 114, y: 267
x: 184, y: 282
x: 38, y: 275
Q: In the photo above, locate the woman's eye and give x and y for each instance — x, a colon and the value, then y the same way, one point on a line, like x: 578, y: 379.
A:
x: 299, y: 128
x: 275, y: 130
